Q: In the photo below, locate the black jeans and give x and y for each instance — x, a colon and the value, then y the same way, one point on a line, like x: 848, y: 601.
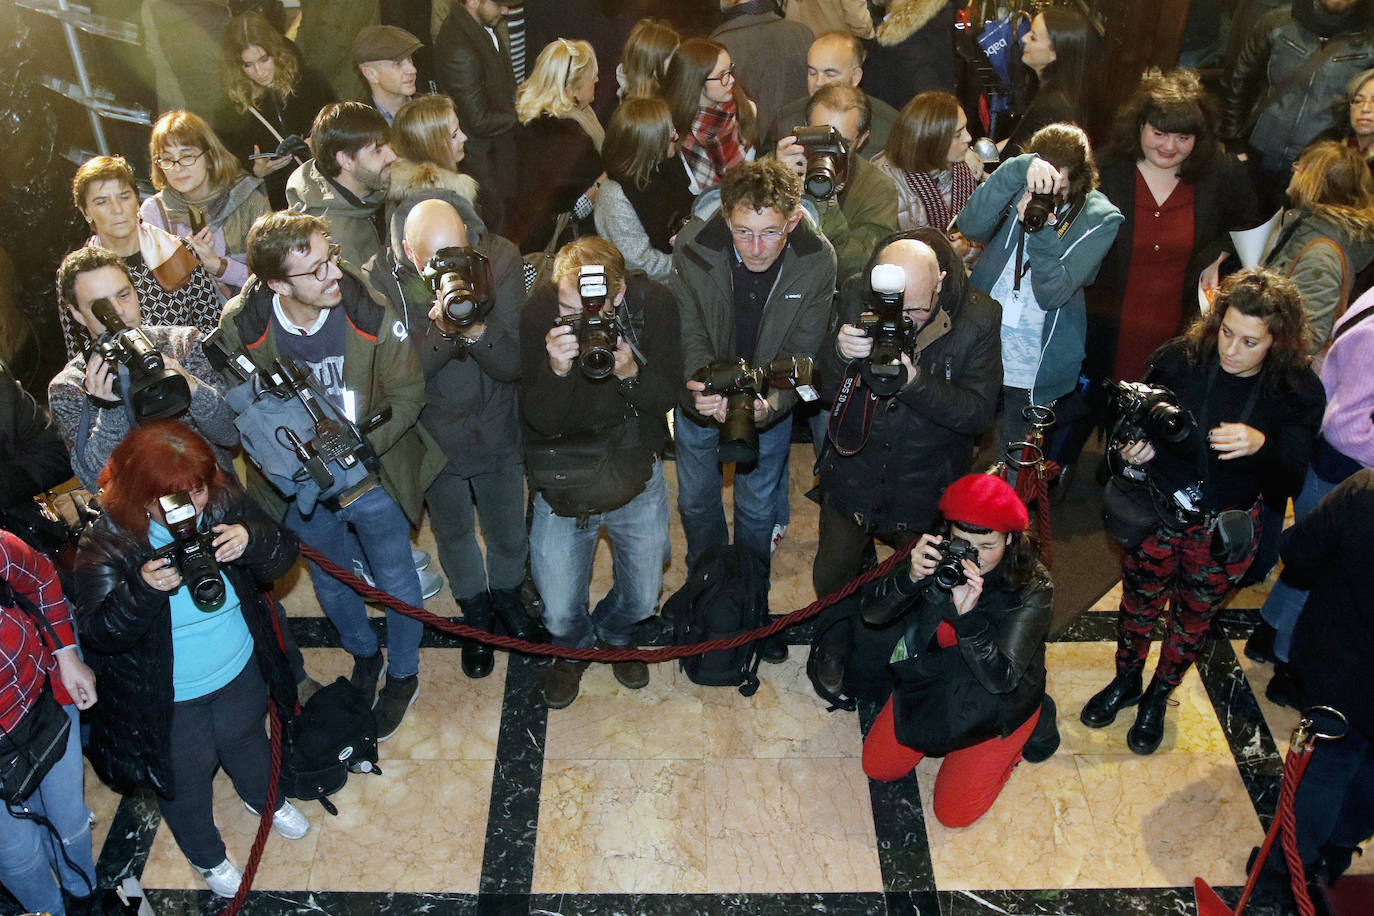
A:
x: 224, y: 728
x: 458, y: 503
x: 1335, y: 803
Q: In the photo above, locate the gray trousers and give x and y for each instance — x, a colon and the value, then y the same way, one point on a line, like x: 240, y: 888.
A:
x: 458, y: 503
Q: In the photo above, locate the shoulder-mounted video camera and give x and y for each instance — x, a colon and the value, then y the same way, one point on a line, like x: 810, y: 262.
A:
x: 827, y: 160
x: 597, y: 334
x: 742, y: 384
x: 153, y: 391
x: 192, y: 552
x: 892, y: 331
x: 461, y: 279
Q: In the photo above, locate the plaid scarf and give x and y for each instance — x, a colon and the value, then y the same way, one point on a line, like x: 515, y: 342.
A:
x: 713, y: 146
x: 938, y: 213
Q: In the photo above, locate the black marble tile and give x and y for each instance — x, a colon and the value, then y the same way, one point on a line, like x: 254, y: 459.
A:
x: 899, y: 824
x: 740, y: 905
x: 513, y: 813
x: 1091, y: 626
x: 129, y: 840
x: 1235, y: 622
x: 1165, y: 901
x: 915, y: 903
x: 314, y: 903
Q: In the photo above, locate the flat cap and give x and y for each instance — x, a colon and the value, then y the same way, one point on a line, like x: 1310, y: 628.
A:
x: 384, y: 42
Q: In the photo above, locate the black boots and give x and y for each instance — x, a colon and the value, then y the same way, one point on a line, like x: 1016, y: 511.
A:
x: 477, y: 658
x: 509, y: 605
x: 1148, y: 729
x: 1260, y: 646
x: 1101, y: 710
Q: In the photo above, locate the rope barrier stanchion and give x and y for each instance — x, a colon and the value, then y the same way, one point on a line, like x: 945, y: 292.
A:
x: 667, y: 653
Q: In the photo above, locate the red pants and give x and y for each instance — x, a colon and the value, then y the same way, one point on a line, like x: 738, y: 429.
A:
x: 969, y: 780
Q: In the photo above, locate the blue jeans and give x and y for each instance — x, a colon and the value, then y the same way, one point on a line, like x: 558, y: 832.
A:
x: 29, y: 857
x: 818, y: 421
x: 561, y: 556
x: 699, y: 482
x: 374, y: 529
x: 1284, y: 605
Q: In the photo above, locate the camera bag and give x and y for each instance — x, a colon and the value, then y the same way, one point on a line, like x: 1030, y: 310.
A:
x: 590, y: 472
x: 726, y: 593
x: 335, y: 733
x: 35, y: 744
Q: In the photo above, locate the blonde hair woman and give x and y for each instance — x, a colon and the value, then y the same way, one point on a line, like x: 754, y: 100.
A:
x: 558, y: 141
x: 203, y: 195
x: 429, y: 145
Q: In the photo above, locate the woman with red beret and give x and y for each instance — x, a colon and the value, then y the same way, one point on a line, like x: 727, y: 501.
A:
x: 969, y: 671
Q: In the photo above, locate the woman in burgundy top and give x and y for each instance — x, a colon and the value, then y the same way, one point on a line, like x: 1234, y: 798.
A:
x: 1182, y: 194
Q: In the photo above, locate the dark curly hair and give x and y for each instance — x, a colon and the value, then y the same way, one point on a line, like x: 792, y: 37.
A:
x: 759, y: 185
x: 1258, y: 293
x: 1016, y: 569
x: 1171, y: 103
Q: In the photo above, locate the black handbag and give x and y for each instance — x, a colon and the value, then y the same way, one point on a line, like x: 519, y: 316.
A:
x: 32, y: 748
x: 1128, y: 512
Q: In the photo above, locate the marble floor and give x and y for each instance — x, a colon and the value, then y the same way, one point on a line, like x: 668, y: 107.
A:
x: 680, y: 799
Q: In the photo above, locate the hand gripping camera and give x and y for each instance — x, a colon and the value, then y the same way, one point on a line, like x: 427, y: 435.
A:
x: 153, y: 391
x: 949, y: 571
x: 741, y: 385
x: 597, y: 335
x: 827, y: 160
x: 1038, y: 210
x: 461, y: 280
x: 1147, y: 412
x: 192, y: 552
x: 892, y: 331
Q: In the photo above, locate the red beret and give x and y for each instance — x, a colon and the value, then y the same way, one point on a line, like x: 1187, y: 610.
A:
x: 986, y: 501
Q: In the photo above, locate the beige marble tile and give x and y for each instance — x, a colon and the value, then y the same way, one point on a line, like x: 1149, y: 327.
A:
x: 790, y: 826
x: 784, y: 718
x: 454, y: 717
x: 663, y: 721
x: 285, y: 863
x: 1164, y: 819
x: 1110, y: 600
x: 1042, y: 805
x: 621, y: 826
x: 419, y: 827
x: 103, y: 802
x: 1076, y: 671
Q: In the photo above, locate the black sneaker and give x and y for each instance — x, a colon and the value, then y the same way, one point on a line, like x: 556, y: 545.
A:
x: 395, y: 698
x: 366, y: 671
x: 773, y: 649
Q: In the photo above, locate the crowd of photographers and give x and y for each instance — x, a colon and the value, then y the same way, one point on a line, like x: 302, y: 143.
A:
x: 323, y: 373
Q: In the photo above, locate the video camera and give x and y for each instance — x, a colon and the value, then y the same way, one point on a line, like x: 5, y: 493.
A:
x: 192, y: 552
x: 1147, y: 412
x: 597, y: 334
x: 890, y: 328
x: 827, y: 160
x: 154, y: 391
x: 1038, y: 210
x: 461, y: 279
x: 741, y: 385
x: 332, y: 449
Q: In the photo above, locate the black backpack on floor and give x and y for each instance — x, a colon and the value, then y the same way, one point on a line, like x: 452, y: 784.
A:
x: 336, y: 733
x: 726, y: 593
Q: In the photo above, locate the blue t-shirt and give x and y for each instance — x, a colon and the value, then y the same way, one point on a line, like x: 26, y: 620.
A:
x: 208, y: 649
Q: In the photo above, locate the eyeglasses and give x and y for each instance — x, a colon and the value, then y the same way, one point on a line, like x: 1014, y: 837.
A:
x: 321, y: 271
x: 1361, y: 101
x: 185, y: 160
x: 725, y: 76
x: 768, y: 235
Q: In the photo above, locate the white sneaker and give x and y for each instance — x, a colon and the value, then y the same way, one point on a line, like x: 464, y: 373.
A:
x: 430, y: 584
x: 778, y: 532
x: 223, y: 879
x: 419, y: 558
x: 288, y: 821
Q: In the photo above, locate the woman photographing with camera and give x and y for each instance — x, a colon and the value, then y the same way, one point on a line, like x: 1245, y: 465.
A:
x: 184, y: 647
x: 1243, y: 375
x: 969, y: 672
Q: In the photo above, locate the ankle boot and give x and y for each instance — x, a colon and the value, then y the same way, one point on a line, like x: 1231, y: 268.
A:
x: 1148, y: 729
x: 1260, y: 646
x: 476, y: 658
x: 510, y: 610
x: 1101, y: 710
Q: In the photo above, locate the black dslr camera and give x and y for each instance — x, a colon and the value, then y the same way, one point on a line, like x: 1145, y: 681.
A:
x: 1147, y: 412
x: 597, y: 335
x: 827, y: 160
x: 192, y: 552
x: 1038, y: 210
x: 154, y: 391
x: 890, y: 329
x: 461, y: 279
x: 949, y: 571
x: 741, y: 384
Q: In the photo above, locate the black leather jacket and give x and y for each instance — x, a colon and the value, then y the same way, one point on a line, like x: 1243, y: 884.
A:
x: 986, y: 685
x: 126, y: 632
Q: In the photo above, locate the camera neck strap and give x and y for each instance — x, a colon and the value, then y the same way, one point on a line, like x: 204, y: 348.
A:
x: 1061, y: 226
x: 851, y: 416
x: 83, y: 433
x: 1203, y: 459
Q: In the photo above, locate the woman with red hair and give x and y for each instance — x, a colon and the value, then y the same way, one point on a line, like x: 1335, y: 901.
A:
x: 186, y: 668
x: 968, y: 673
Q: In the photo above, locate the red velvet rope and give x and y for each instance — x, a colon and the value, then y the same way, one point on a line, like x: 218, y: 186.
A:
x: 1285, y: 823
x: 664, y: 654
x: 250, y: 870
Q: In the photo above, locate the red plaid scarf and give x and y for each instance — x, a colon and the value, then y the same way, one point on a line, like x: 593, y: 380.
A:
x: 938, y: 213
x: 714, y: 145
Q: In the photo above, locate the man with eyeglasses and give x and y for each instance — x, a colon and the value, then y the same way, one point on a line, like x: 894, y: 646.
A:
x: 345, y: 184
x: 754, y: 282
x: 303, y: 304
x: 888, y: 457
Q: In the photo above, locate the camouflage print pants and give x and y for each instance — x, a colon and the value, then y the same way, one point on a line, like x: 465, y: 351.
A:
x: 1173, y: 567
